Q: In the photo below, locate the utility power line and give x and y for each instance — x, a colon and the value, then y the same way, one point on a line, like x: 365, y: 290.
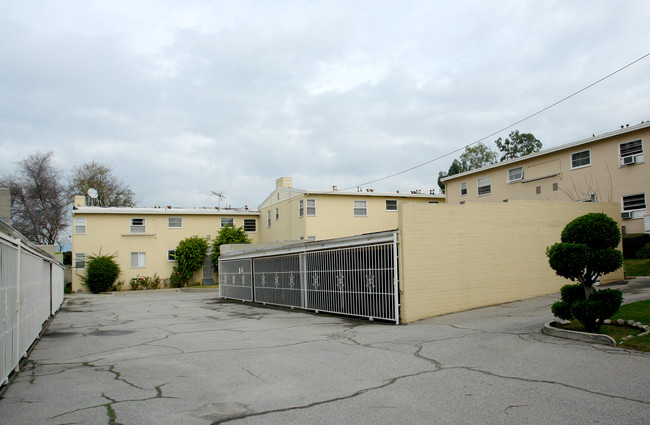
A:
x: 504, y: 128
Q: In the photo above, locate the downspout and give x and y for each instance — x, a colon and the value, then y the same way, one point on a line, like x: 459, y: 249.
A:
x: 396, y: 278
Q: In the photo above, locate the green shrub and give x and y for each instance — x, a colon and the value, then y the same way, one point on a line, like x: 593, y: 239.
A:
x: 101, y: 273
x: 633, y: 242
x: 227, y: 235
x: 144, y: 282
x: 643, y: 253
x: 190, y: 254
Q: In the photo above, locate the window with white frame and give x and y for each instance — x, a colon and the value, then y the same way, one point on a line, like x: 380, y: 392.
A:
x: 277, y: 213
x: 463, y: 189
x: 268, y: 218
x: 631, y: 152
x: 250, y: 225
x: 634, y: 205
x: 391, y: 204
x: 581, y: 159
x: 515, y: 174
x: 138, y: 225
x: 311, y: 207
x: 484, y: 187
x: 175, y: 222
x: 301, y: 208
x: 360, y: 208
x: 227, y: 221
x: 171, y: 255
x: 79, y: 260
x: 138, y: 260
x: 80, y: 226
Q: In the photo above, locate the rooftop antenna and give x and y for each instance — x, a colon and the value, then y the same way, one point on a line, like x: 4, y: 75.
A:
x: 221, y: 195
x: 92, y: 194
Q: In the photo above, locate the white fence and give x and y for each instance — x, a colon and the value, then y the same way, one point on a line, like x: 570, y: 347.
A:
x: 355, y: 276
x: 31, y: 290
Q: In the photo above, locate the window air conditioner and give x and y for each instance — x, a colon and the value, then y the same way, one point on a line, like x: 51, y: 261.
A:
x: 626, y: 215
x: 628, y: 160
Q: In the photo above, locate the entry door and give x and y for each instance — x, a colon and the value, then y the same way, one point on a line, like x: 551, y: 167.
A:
x: 207, y: 272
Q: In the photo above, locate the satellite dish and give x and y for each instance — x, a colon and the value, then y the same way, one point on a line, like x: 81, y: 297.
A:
x: 92, y: 193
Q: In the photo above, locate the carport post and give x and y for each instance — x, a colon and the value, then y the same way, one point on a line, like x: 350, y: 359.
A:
x: 395, y: 278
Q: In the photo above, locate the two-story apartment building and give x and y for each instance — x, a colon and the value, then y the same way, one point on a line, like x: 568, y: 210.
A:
x: 606, y: 168
x: 144, y: 239
x: 289, y: 213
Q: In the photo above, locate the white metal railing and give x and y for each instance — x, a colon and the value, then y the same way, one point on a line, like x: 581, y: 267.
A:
x: 357, y: 280
x: 31, y: 289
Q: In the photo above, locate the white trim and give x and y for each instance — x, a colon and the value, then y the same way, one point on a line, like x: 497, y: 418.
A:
x: 307, y: 207
x: 478, y: 186
x: 139, y: 257
x: 137, y: 226
x: 79, y: 220
x: 521, y: 177
x: 254, y: 222
x: 174, y: 227
x: 461, y: 188
x: 579, y: 166
x: 174, y: 260
x: 396, y: 205
x: 231, y: 224
x: 355, y: 208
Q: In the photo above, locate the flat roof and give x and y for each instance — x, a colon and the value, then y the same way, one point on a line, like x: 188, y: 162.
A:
x: 571, y: 145
x: 164, y: 211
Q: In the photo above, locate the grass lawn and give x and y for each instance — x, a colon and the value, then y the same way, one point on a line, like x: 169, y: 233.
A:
x: 636, y: 267
x: 639, y: 312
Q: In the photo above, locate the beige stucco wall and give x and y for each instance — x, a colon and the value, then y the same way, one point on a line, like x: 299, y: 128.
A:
x: 334, y: 215
x: 111, y: 234
x: 605, y: 177
x: 459, y: 257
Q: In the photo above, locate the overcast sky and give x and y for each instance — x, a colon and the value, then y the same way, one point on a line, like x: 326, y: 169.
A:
x: 187, y: 97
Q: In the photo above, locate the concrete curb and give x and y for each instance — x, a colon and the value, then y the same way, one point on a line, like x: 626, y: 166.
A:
x: 580, y: 336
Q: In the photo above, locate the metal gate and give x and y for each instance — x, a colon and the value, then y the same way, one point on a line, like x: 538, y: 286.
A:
x: 354, y: 276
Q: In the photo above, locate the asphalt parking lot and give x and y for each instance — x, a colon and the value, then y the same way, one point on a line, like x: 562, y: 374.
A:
x: 189, y: 358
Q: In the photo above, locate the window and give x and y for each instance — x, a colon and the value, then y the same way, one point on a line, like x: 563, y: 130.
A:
x: 631, y: 152
x: 227, y: 221
x: 311, y: 207
x: 250, y: 225
x: 463, y: 189
x: 538, y: 190
x: 277, y: 214
x: 171, y: 255
x: 391, y: 204
x: 80, y: 260
x: 581, y: 159
x: 175, y: 222
x: 138, y: 260
x: 268, y: 218
x: 484, y: 187
x: 555, y: 186
x: 301, y: 209
x: 80, y: 226
x: 515, y: 174
x: 633, y: 203
x: 360, y: 208
x: 137, y: 225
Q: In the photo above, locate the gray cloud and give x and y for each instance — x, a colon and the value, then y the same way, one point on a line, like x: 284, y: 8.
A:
x: 187, y: 97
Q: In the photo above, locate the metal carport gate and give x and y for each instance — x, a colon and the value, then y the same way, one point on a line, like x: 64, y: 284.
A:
x: 355, y: 276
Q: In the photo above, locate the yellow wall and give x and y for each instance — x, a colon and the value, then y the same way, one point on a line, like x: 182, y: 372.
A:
x: 334, y: 215
x: 110, y: 233
x: 459, y: 257
x: 605, y: 177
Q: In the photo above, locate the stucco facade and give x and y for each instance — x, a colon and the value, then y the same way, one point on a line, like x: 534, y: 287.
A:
x: 142, y: 238
x: 297, y: 214
x: 606, y: 168
x: 485, y: 254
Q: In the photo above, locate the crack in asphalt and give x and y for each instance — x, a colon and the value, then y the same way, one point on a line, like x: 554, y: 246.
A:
x: 391, y: 381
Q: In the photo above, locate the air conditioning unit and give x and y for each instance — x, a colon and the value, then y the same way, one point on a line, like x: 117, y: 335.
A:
x: 626, y: 215
x: 629, y: 160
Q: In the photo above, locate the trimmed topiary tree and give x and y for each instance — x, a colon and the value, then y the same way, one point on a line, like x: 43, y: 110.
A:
x: 587, y: 251
x: 101, y: 273
x: 190, y: 254
x: 227, y: 235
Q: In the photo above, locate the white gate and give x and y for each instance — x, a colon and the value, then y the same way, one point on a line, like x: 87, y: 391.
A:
x: 355, y: 276
x: 31, y: 289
